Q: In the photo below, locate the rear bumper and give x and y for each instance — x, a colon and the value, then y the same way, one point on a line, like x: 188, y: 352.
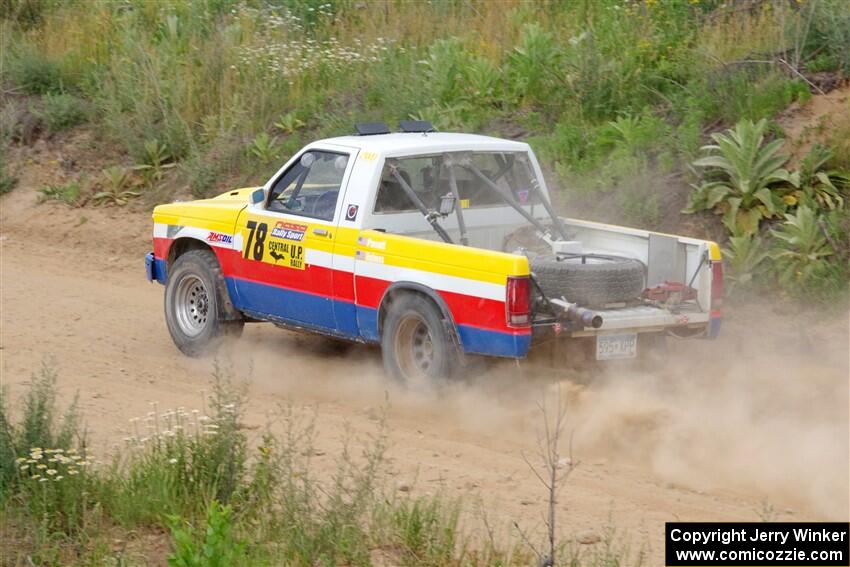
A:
x: 155, y: 269
x: 637, y: 319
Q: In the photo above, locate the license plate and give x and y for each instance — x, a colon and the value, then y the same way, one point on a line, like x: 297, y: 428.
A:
x: 612, y: 347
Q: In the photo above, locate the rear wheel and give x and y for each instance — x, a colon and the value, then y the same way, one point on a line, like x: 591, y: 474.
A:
x: 198, y: 311
x: 416, y: 343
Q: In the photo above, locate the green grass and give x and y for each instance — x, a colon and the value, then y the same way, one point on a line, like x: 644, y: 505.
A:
x: 616, y: 96
x: 568, y: 68
x: 68, y: 193
x: 61, y: 112
x: 214, y: 496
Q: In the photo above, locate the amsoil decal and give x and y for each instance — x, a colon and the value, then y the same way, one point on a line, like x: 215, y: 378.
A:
x: 289, y: 231
x: 219, y: 237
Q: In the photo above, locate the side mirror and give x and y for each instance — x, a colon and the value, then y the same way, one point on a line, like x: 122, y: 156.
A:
x: 447, y: 204
x: 258, y: 196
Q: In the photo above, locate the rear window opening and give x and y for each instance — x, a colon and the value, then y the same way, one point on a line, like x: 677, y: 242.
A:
x: 429, y: 178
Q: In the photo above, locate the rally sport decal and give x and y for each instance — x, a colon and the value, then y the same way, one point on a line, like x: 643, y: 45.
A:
x: 284, y: 247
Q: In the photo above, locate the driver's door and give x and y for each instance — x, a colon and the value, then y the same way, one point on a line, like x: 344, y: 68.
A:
x: 287, y: 242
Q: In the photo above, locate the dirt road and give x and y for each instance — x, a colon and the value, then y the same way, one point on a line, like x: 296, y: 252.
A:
x: 758, y: 416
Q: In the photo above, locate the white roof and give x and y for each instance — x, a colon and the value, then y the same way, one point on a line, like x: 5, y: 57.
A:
x: 418, y: 143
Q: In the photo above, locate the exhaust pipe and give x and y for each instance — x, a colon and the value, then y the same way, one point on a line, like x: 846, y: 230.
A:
x: 573, y: 312
x: 587, y: 317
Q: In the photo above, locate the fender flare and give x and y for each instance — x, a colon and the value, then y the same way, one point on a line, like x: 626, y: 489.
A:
x: 407, y: 286
x: 183, y: 244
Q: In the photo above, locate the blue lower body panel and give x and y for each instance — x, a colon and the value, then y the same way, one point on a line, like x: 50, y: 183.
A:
x: 344, y: 319
x: 155, y: 269
x: 494, y: 343
x: 714, y: 327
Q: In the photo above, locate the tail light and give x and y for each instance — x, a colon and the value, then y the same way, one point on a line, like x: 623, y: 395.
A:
x: 518, y: 301
x: 716, y: 287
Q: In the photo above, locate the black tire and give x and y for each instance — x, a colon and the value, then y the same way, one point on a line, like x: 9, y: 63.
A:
x: 417, y: 344
x: 602, y: 280
x: 198, y: 310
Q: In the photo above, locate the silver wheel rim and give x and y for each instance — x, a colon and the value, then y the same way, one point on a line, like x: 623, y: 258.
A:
x: 191, y: 305
x: 414, y: 347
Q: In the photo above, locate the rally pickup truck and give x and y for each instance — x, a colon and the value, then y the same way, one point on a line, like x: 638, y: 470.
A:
x: 437, y: 246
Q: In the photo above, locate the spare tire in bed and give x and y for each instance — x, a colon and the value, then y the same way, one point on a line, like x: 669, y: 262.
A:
x: 597, y: 281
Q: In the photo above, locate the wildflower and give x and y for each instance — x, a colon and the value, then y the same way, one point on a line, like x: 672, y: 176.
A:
x: 58, y: 478
x: 41, y: 467
x: 19, y: 460
x: 43, y: 480
x: 73, y: 472
x: 172, y: 461
x: 35, y: 477
x: 52, y: 472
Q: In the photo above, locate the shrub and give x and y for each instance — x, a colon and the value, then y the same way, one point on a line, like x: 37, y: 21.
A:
x: 829, y: 36
x: 746, y: 175
x: 41, y: 427
x: 54, y: 485
x: 35, y: 73
x: 802, y: 251
x: 156, y: 163
x: 218, y: 547
x: 182, y: 460
x: 533, y: 66
x: 27, y: 13
x: 7, y: 179
x: 68, y: 193
x: 425, y: 530
x: 265, y: 148
x: 61, y: 111
x: 819, y: 188
x: 115, y: 185
x: 289, y: 123
x: 746, y: 260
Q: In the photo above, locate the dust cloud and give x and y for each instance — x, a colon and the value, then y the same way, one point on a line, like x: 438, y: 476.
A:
x: 762, y: 410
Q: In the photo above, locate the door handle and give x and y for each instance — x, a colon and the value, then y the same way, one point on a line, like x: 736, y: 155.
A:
x: 320, y: 232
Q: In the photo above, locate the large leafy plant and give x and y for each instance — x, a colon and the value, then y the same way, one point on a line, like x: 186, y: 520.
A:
x: 819, y: 187
x: 746, y: 177
x: 802, y: 249
x: 746, y: 259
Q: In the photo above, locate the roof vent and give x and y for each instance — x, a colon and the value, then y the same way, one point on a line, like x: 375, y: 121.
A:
x: 371, y: 128
x: 416, y: 126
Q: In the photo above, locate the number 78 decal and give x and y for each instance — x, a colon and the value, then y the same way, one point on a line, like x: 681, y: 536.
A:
x: 285, y: 254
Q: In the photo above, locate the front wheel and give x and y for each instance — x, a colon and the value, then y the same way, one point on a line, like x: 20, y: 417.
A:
x: 416, y: 343
x: 197, y: 304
